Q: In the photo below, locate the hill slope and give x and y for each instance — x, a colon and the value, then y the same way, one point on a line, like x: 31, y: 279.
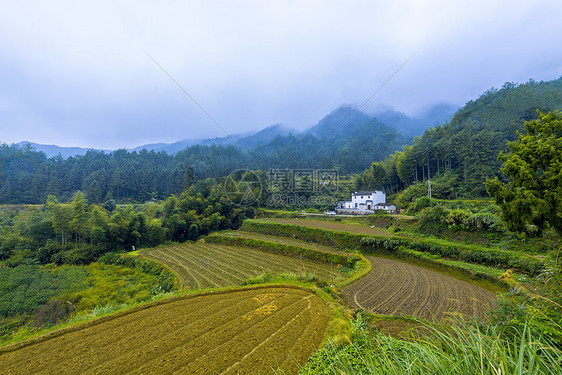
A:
x: 464, y: 151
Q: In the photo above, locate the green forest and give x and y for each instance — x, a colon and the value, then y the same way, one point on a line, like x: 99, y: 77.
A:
x: 78, y: 232
x: 460, y: 155
x: 344, y: 140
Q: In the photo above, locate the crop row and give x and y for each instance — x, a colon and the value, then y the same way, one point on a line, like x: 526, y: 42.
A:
x: 204, y: 265
x: 243, y: 331
x: 369, y: 244
x: 283, y: 240
x: 289, y: 250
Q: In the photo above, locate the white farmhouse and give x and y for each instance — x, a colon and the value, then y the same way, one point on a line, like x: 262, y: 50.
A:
x: 365, y: 202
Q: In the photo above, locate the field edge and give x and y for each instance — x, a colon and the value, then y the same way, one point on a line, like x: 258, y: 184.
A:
x: 56, y: 332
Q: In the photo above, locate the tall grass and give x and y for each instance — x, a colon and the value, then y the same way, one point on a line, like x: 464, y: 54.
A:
x: 452, y: 349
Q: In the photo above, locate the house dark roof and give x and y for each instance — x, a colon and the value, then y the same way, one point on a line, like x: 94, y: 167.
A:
x: 366, y: 192
x: 384, y: 205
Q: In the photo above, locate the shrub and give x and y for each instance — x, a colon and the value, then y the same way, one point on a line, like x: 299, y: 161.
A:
x: 433, y: 216
x: 419, y: 204
x: 53, y: 312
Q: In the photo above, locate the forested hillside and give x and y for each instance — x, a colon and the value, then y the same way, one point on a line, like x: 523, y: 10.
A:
x: 461, y: 154
x: 346, y: 139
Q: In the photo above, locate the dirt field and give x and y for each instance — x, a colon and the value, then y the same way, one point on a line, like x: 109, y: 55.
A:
x: 332, y: 225
x: 397, y: 288
x: 284, y: 240
x: 201, y: 265
x: 237, y: 332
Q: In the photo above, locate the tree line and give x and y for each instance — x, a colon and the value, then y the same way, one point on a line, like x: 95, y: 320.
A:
x: 28, y: 177
x: 461, y: 154
x: 78, y: 232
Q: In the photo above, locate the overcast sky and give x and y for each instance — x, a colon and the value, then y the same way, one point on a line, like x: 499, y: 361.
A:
x: 79, y: 73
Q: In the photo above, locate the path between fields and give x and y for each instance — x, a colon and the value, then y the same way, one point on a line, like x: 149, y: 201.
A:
x: 332, y: 225
x: 397, y: 288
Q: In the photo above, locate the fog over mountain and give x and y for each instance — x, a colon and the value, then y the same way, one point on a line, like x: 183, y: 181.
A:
x: 333, y: 123
x: 112, y: 75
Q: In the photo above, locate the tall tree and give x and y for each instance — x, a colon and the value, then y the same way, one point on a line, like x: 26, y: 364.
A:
x: 532, y: 200
x: 60, y: 217
x: 79, y: 216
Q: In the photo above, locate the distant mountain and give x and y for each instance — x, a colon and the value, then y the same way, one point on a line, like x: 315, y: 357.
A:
x: 410, y: 126
x: 52, y: 150
x: 264, y: 136
x: 438, y: 114
x: 346, y: 139
x: 341, y: 121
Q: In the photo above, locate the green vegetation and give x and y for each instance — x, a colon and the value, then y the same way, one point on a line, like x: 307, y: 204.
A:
x: 440, y: 349
x: 532, y: 201
x: 460, y: 155
x: 76, y: 233
x: 36, y: 297
x: 289, y: 250
x: 281, y: 240
x: 449, y: 249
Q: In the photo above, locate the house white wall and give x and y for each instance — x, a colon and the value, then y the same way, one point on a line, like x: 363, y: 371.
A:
x: 366, y: 200
x: 345, y: 204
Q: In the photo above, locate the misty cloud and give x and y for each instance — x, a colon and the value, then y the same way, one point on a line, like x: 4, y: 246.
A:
x: 78, y: 74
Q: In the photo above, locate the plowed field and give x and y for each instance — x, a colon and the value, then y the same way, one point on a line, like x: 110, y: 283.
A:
x: 331, y: 225
x: 284, y: 240
x: 238, y: 332
x: 397, y: 288
x: 201, y: 265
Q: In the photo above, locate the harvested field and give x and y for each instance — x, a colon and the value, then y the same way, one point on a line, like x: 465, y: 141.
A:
x: 284, y: 240
x: 201, y: 265
x: 331, y: 225
x: 238, y: 332
x: 397, y: 288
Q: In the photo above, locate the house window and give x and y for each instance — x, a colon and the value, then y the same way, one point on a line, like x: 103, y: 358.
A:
x: 355, y: 205
x: 361, y: 197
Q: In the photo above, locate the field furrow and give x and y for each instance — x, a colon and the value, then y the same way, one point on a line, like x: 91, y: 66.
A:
x: 201, y: 265
x: 244, y: 331
x: 263, y: 326
x: 161, y: 344
x: 398, y: 288
x: 215, y: 259
x: 202, y: 275
x: 186, y: 277
x: 216, y: 274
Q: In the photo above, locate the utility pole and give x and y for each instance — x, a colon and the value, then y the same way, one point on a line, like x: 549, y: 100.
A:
x: 428, y: 180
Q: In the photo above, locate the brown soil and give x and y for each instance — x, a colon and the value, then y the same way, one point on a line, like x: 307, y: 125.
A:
x: 284, y: 240
x: 330, y: 225
x: 397, y: 288
x: 238, y: 332
x: 204, y: 265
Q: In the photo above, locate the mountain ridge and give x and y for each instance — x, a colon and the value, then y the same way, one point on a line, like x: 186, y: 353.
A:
x: 342, y: 118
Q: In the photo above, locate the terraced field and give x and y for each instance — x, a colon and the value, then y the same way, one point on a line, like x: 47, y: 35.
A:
x: 237, y: 332
x: 398, y: 288
x: 201, y: 265
x: 283, y: 240
x: 332, y: 225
